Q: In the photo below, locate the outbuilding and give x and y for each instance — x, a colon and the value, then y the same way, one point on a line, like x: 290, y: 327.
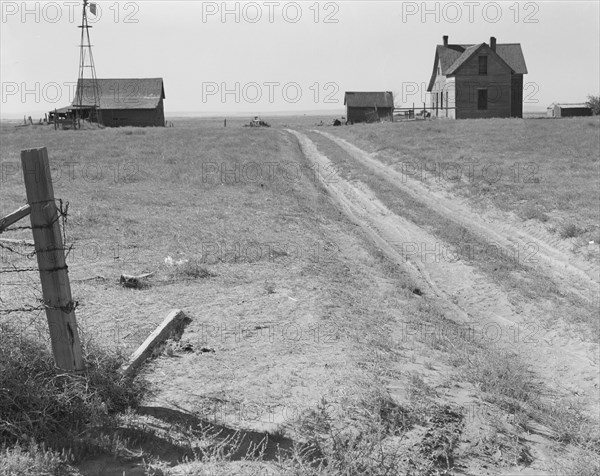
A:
x: 121, y: 102
x: 568, y: 110
x: 362, y: 106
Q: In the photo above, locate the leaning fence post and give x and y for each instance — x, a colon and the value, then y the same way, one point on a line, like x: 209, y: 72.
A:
x: 56, y: 290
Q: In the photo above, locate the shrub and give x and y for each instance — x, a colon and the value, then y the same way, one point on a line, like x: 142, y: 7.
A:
x: 39, y: 402
x: 593, y: 102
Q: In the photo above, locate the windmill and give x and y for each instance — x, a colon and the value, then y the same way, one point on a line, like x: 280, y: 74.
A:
x: 87, y: 100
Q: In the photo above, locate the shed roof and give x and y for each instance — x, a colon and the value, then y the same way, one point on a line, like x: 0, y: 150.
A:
x: 62, y: 110
x: 568, y: 105
x: 369, y: 99
x: 122, y: 93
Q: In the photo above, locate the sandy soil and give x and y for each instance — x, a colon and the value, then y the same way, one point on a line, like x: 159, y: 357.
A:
x: 566, y: 367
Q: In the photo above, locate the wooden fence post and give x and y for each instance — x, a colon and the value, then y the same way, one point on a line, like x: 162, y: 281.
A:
x: 56, y: 290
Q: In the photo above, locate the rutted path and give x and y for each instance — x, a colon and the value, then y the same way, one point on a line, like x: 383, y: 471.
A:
x: 578, y: 276
x: 463, y: 292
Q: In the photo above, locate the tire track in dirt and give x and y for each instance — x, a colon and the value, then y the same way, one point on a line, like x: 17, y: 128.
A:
x: 461, y: 292
x: 580, y: 277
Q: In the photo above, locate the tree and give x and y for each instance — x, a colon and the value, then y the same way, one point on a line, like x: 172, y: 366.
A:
x: 593, y: 102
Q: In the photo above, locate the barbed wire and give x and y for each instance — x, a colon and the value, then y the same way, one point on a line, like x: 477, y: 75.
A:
x: 62, y: 209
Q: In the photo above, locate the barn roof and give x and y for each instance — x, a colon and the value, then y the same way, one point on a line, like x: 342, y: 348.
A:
x: 62, y: 110
x: 369, y: 99
x: 122, y: 93
x: 451, y: 57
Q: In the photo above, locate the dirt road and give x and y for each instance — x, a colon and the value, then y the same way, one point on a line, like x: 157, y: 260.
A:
x: 565, y: 367
x: 577, y: 275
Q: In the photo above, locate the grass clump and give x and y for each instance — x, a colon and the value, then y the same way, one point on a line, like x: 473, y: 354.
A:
x: 34, y: 460
x: 184, y: 269
x: 40, y: 402
x: 571, y: 230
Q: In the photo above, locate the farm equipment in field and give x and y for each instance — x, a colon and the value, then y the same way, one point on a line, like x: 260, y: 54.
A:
x: 257, y: 122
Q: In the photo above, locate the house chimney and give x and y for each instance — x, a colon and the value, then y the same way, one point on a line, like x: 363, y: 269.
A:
x: 445, y: 37
x: 493, y: 43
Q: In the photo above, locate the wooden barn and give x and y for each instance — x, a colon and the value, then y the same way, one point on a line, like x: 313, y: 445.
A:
x: 477, y: 81
x: 124, y: 102
x: 564, y: 109
x: 369, y: 106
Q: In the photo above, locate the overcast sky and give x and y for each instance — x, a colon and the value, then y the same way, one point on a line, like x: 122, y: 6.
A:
x: 287, y: 56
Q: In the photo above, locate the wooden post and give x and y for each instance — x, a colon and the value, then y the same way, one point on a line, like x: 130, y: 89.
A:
x: 56, y: 290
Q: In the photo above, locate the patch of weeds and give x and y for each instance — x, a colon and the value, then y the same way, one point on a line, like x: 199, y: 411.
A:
x: 568, y: 419
x: 571, y: 230
x: 585, y: 461
x: 502, y: 376
x: 355, y: 440
x: 64, y: 404
x: 188, y: 269
x: 418, y: 389
x: 437, y: 447
x: 270, y: 288
x: 34, y: 460
x: 531, y: 212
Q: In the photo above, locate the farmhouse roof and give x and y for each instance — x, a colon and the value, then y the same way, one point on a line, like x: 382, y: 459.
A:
x: 451, y: 57
x: 369, y: 99
x: 122, y: 93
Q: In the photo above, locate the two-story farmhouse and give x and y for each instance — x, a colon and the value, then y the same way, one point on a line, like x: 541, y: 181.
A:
x: 477, y: 81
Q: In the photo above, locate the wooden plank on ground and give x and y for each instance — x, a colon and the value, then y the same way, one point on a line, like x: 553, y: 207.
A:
x: 14, y: 217
x: 173, y: 323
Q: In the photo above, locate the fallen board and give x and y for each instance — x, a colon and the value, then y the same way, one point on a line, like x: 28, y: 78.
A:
x: 173, y: 323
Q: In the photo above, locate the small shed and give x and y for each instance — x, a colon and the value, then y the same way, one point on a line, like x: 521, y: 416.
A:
x: 123, y: 102
x: 62, y: 114
x: 568, y: 110
x: 362, y: 106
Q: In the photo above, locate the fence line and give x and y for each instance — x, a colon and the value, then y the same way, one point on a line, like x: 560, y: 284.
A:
x: 48, y: 238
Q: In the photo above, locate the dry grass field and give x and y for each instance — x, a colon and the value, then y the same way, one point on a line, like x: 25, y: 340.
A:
x: 330, y: 332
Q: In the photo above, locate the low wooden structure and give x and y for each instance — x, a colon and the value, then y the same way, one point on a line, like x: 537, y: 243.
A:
x: 364, y: 106
x: 568, y: 110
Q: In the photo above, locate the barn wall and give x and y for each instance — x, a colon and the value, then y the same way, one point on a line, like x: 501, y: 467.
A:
x: 134, y: 117
x: 160, y: 115
x: 365, y: 114
x: 575, y: 111
x: 497, y: 82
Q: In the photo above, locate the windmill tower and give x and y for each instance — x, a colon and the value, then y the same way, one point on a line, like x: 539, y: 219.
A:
x: 87, y: 100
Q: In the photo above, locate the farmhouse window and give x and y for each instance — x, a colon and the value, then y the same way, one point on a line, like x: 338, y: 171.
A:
x: 483, y: 65
x: 482, y: 99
